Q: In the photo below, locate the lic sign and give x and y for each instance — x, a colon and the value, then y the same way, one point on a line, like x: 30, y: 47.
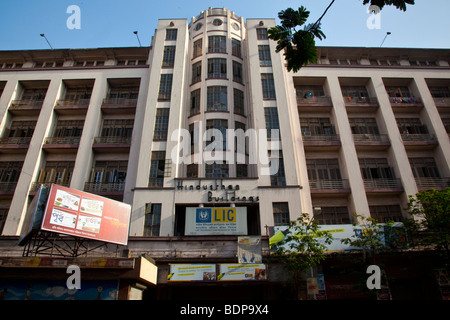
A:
x: 216, y: 221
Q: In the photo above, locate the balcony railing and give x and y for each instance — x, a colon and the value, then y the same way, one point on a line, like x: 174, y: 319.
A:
x: 26, y: 103
x: 15, y: 140
x: 424, y: 137
x: 442, y: 102
x: 35, y: 185
x: 119, y: 101
x: 382, y: 183
x: 321, y: 137
x: 370, y: 137
x: 328, y: 184
x: 405, y: 100
x: 73, y: 102
x: 112, y: 140
x: 321, y: 101
x: 8, y: 186
x: 104, y: 187
x: 62, y: 140
x: 429, y: 183
x: 362, y: 100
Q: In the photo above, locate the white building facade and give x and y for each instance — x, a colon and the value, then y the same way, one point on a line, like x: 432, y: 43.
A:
x: 358, y: 132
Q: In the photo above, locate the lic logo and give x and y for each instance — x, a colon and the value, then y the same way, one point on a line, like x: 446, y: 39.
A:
x: 203, y: 215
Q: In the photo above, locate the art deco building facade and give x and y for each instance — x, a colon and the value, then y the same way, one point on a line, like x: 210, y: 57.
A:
x: 359, y: 131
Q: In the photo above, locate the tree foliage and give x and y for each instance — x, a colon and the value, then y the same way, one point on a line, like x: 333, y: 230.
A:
x: 431, y: 224
x: 298, y: 39
x: 303, y: 246
x: 370, y: 238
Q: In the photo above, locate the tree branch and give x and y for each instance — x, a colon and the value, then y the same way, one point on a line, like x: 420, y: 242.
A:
x: 323, y: 14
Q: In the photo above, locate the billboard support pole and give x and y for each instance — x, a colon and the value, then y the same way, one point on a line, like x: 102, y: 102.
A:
x: 53, y: 244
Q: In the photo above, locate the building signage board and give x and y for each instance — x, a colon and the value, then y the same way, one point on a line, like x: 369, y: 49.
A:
x: 216, y: 221
x: 242, y: 272
x: 249, y: 249
x: 393, y: 236
x: 86, y: 215
x: 192, y: 272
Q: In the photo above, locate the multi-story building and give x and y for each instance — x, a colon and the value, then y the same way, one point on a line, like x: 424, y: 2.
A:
x: 359, y: 132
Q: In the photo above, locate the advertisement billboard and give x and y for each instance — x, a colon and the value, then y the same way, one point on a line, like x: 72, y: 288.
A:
x: 86, y: 215
x: 216, y: 221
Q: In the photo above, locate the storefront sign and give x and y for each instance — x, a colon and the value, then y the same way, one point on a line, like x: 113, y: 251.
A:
x: 86, y: 215
x: 228, y: 192
x: 216, y: 221
x: 249, y: 249
x: 192, y: 272
x: 242, y: 272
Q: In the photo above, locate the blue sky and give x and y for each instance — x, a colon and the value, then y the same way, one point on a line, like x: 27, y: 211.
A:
x: 110, y: 23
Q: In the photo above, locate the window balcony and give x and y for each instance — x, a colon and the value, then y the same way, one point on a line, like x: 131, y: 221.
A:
x: 327, y: 141
x: 14, y: 144
x: 361, y: 104
x: 371, y: 141
x: 109, y: 190
x: 443, y: 102
x: 112, y: 143
x: 405, y: 104
x: 7, y: 188
x: 325, y: 186
x: 62, y: 144
x: 72, y: 106
x: 422, y: 140
x: 119, y: 105
x: 425, y: 183
x: 383, y: 185
x: 314, y: 103
x: 26, y: 107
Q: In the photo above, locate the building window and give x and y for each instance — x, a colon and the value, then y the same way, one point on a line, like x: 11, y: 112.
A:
x: 59, y: 172
x: 3, y: 215
x: 261, y: 34
x: 364, y: 126
x: 411, y: 126
x: 241, y: 170
x: 196, y: 72
x: 424, y: 168
x: 372, y: 168
x: 192, y: 170
x: 264, y: 56
x: 222, y: 126
x: 216, y: 99
x: 195, y: 102
x: 272, y: 123
x: 152, y: 219
x: 69, y: 128
x: 323, y: 169
x: 161, y: 124
x: 116, y: 131
x: 239, y: 107
x: 157, y: 167
x: 108, y: 172
x: 237, y: 72
x: 165, y: 87
x: 168, y: 57
x: 384, y: 214
x: 198, y: 45
x: 9, y: 174
x: 355, y: 93
x: 171, y: 34
x: 317, y: 127
x: 217, y: 68
x: 281, y: 213
x: 20, y: 132
x: 278, y: 178
x: 236, y: 48
x: 217, y: 44
x: 216, y: 170
x: 333, y: 215
x: 268, y: 86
